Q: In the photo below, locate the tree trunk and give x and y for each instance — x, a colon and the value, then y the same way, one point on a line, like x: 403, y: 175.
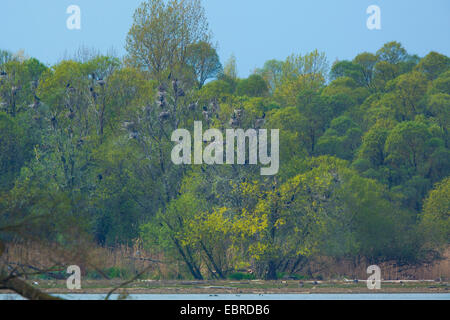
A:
x: 24, y: 289
x: 271, y: 271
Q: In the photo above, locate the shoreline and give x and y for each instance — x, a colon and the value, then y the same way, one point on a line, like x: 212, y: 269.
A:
x: 157, y: 287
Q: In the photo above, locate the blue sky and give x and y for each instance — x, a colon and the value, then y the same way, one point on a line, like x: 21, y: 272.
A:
x: 253, y: 30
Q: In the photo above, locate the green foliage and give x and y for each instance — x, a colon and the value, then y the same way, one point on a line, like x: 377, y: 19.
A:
x: 238, y: 276
x: 436, y: 214
x: 117, y: 273
x: 230, y: 68
x: 162, y: 33
x: 272, y: 73
x: 85, y: 147
x: 392, y: 52
x: 253, y: 86
x: 204, y: 60
x: 15, y: 150
x: 433, y: 65
x: 342, y: 139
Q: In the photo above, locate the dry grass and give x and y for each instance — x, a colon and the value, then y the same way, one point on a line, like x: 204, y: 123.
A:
x: 128, y: 260
x: 390, y: 270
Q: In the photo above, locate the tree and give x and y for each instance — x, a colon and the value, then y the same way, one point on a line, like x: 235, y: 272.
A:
x: 438, y: 106
x: 16, y: 87
x: 433, y: 64
x: 293, y: 144
x: 441, y: 84
x: 325, y: 209
x: 301, y: 74
x: 343, y: 68
x: 435, y: 218
x: 392, y: 52
x: 346, y: 69
x: 253, y: 86
x: 124, y: 196
x: 15, y: 150
x: 383, y: 73
x: 230, y: 68
x: 100, y: 69
x: 162, y: 33
x: 5, y: 56
x: 272, y: 72
x: 167, y: 231
x: 204, y: 60
x: 317, y: 116
x: 341, y: 140
x: 343, y: 95
x: 373, y: 142
x: 367, y: 62
x: 406, y: 147
x: 361, y: 69
x: 407, y: 98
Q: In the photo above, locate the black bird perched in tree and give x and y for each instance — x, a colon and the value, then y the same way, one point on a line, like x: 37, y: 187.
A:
x: 129, y: 125
x: 205, y: 114
x: 162, y: 87
x: 147, y: 109
x: 161, y: 96
x: 176, y: 89
x: 161, y: 104
x: 260, y: 122
x: 213, y: 105
x: 54, y: 122
x: 80, y: 143
x: 93, y: 93
x: 234, y: 121
x: 70, y: 114
x: 175, y: 85
x: 69, y: 87
x: 15, y: 89
x: 131, y: 128
x: 133, y: 135
x: 101, y: 82
x: 164, y: 115
x: 193, y: 106
x: 238, y: 113
x: 34, y: 105
x: 161, y: 101
x: 34, y: 84
x: 180, y: 92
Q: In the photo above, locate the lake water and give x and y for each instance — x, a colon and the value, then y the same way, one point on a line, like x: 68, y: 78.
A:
x: 381, y: 296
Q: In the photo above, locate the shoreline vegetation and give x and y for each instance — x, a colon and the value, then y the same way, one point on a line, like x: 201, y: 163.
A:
x: 87, y: 179
x: 108, y: 267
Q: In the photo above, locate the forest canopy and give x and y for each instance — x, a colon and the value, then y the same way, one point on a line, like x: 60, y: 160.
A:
x: 364, y: 151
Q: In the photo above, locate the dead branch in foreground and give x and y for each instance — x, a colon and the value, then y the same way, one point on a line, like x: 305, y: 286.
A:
x: 24, y: 289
